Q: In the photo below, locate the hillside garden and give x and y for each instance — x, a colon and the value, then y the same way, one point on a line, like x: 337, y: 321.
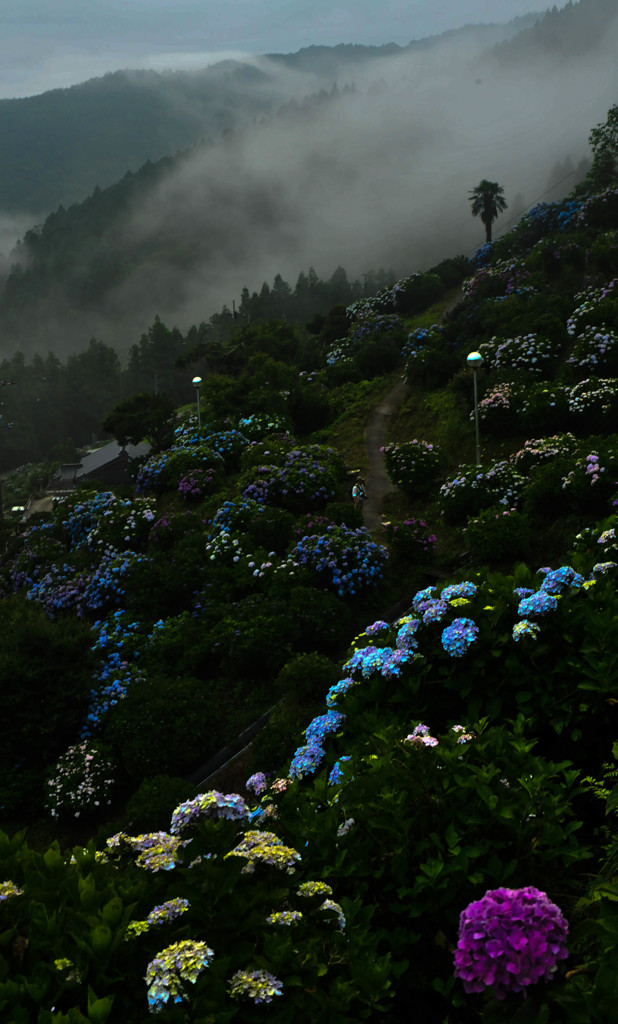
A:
x: 426, y: 827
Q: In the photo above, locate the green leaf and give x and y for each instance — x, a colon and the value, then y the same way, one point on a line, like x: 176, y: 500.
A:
x: 98, y: 1009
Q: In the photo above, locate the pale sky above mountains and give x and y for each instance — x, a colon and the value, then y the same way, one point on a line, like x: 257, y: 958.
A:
x: 50, y: 44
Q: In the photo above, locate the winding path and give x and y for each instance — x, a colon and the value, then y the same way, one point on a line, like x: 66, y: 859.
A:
x: 377, y: 481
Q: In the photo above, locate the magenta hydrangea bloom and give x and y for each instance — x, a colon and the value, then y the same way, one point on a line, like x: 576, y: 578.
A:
x: 508, y: 940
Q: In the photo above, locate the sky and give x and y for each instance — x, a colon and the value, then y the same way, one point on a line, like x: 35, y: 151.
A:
x: 50, y: 44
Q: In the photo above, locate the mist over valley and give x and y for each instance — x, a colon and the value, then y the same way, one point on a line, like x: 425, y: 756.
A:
x: 322, y: 159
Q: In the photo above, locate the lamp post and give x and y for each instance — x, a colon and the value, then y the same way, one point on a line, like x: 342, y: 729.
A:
x: 474, y: 359
x: 197, y: 381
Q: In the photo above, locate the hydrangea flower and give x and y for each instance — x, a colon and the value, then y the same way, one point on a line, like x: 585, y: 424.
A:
x: 285, y: 917
x: 323, y: 725
x: 306, y: 760
x: 228, y: 806
x: 9, y: 889
x: 180, y: 962
x: 257, y: 783
x: 526, y: 628
x: 259, y: 986
x: 457, y: 637
x: 335, y: 907
x: 338, y: 690
x: 156, y: 851
x: 314, y: 889
x: 508, y: 940
x: 558, y: 580
x: 336, y: 775
x: 420, y: 737
x: 465, y: 589
x: 537, y: 604
x: 264, y: 848
x: 168, y: 911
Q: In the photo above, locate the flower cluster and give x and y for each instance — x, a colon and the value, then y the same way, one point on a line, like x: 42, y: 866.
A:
x: 197, y: 483
x: 348, y: 557
x: 594, y: 397
x: 537, y: 604
x: 156, y: 851
x: 8, y: 890
x: 335, y: 777
x: 306, y: 760
x: 81, y: 782
x: 537, y: 452
x: 595, y: 349
x: 420, y: 339
x: 260, y: 986
x: 528, y: 352
x: 257, y: 783
x: 412, y: 464
x: 314, y: 889
x: 595, y: 306
x: 420, y: 737
x: 475, y: 488
x: 181, y: 962
x: 260, y: 424
x: 287, y: 918
x: 508, y: 940
x: 168, y: 911
x: 265, y: 848
x: 497, y: 404
x: 102, y: 518
x: 367, y: 327
x: 230, y: 807
x: 525, y: 628
x: 335, y: 908
x: 338, y: 689
x: 458, y: 637
x: 307, y: 476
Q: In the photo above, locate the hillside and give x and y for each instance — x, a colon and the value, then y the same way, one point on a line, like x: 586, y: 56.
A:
x: 444, y: 833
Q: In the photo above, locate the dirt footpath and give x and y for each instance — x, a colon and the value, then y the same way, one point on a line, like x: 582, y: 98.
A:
x: 377, y: 480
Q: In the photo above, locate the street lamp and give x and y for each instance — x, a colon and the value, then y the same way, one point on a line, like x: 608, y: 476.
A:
x: 197, y: 382
x: 474, y: 359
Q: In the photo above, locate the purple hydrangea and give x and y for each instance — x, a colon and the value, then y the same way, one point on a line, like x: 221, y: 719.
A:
x: 508, y: 940
x: 257, y: 783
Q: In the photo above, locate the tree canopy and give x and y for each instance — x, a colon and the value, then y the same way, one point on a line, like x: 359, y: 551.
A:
x: 487, y: 202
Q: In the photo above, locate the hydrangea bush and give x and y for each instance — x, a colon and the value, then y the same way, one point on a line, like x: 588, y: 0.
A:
x: 413, y: 465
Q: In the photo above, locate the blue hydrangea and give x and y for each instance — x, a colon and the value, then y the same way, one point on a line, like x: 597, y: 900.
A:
x: 537, y: 604
x: 457, y: 638
x: 306, y: 760
x: 323, y: 725
x: 560, y: 579
x: 336, y: 775
x: 465, y: 589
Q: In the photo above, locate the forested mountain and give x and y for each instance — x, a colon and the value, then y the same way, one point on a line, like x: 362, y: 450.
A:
x: 56, y: 147
x: 324, y: 179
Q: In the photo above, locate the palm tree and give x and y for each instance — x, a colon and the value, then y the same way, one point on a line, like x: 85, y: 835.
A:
x: 487, y: 202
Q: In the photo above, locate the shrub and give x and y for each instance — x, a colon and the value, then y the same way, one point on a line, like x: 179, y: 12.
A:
x: 150, y: 808
x: 410, y: 540
x: 413, y: 465
x: 498, y: 535
x: 81, y: 783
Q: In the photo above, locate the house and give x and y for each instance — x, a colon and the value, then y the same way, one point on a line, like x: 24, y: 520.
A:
x: 108, y: 465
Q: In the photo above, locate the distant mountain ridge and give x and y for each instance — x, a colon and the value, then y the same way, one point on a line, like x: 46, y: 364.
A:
x: 56, y: 147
